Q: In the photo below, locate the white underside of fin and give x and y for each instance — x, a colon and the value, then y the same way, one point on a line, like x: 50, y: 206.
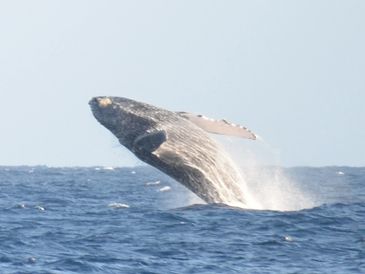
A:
x: 218, y: 126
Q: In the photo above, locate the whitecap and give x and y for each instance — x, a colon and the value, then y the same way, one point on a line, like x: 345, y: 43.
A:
x: 153, y: 183
x: 40, y: 208
x: 340, y: 173
x: 31, y: 260
x: 164, y: 189
x: 118, y: 205
x: 288, y: 238
x: 108, y: 168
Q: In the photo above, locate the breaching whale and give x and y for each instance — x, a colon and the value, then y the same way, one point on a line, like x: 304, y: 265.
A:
x: 178, y: 144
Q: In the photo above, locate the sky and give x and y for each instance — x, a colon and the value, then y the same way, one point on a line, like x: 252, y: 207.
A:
x: 291, y: 71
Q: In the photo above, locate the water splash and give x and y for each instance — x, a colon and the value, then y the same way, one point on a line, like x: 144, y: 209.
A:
x: 256, y: 181
x: 264, y: 183
x: 275, y: 190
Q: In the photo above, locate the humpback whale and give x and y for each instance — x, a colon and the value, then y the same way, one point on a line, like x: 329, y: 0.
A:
x: 178, y: 144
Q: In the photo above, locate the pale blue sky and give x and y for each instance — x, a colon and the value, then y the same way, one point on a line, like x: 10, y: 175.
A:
x: 292, y: 71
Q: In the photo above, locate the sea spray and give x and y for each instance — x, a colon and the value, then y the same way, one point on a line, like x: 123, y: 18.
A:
x: 250, y: 201
x: 264, y: 182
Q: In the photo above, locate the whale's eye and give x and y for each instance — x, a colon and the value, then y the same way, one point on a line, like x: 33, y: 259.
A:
x: 104, y: 102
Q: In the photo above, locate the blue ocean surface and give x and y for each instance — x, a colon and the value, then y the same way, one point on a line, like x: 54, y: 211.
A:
x: 137, y: 220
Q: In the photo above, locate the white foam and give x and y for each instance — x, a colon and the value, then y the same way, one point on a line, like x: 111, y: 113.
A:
x: 108, y: 168
x: 153, y: 183
x: 31, y: 260
x: 340, y: 173
x: 40, y: 208
x: 118, y: 205
x: 164, y: 189
x: 288, y: 238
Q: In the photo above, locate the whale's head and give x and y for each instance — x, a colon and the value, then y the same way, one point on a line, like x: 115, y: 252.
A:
x: 125, y: 118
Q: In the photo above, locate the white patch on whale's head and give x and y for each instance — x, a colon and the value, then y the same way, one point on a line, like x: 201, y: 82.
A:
x: 104, y: 102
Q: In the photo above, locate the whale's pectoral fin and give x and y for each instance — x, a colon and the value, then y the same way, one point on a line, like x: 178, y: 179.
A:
x: 149, y: 142
x: 218, y: 126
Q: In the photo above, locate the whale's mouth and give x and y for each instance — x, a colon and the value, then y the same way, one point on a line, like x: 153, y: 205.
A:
x: 102, y: 108
x: 116, y: 114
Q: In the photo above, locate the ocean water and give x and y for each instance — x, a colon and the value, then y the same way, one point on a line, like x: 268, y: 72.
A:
x: 137, y: 220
